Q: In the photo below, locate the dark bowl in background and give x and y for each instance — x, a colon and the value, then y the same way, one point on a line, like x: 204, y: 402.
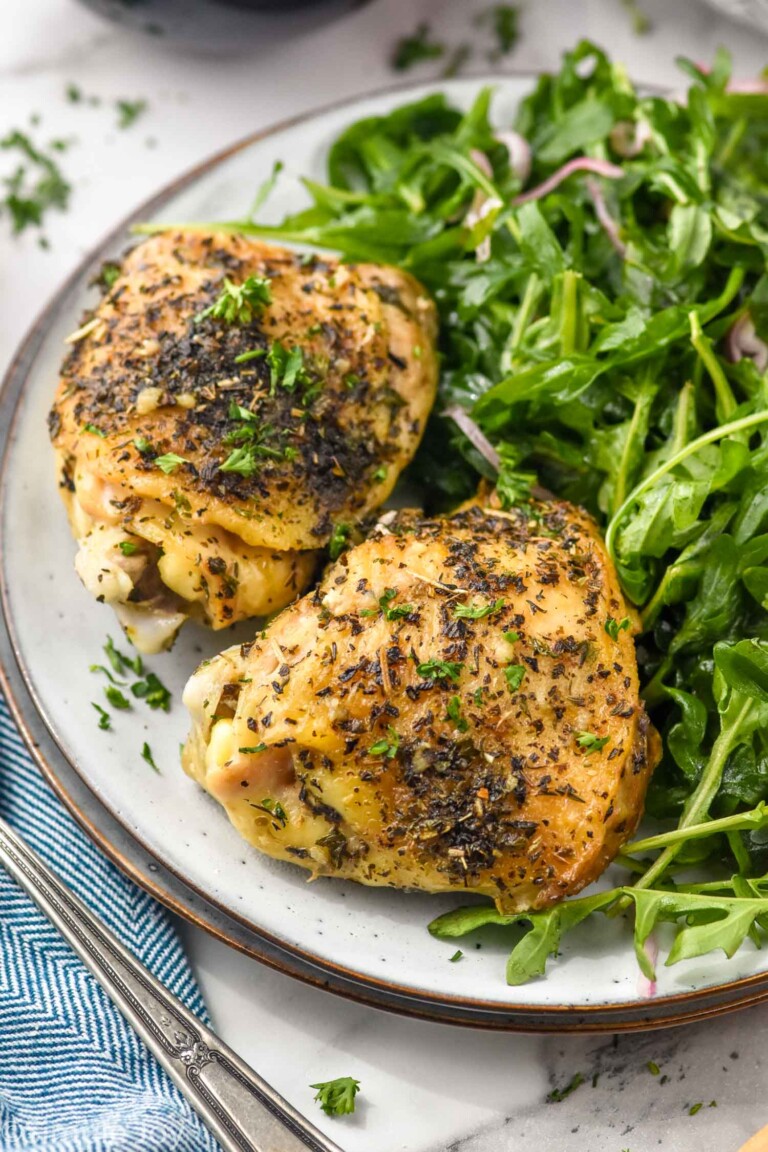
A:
x: 221, y: 25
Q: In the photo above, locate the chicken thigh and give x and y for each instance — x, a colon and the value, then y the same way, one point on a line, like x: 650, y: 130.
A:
x: 224, y: 408
x: 455, y: 707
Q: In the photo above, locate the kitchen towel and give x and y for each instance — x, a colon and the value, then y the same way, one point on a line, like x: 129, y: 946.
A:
x: 73, y: 1076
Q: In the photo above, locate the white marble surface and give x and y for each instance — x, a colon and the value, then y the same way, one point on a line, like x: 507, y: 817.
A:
x: 426, y: 1088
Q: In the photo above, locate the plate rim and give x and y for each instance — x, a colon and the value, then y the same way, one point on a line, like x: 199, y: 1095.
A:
x: 291, y: 959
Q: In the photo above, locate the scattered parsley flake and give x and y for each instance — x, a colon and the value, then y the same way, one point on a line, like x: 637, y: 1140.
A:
x: 287, y: 368
x: 653, y: 1068
x: 410, y: 50
x: 129, y: 111
x: 337, y: 1097
x: 36, y: 184
x: 590, y: 742
x: 641, y: 22
x: 559, y: 1094
x: 274, y: 808
x: 146, y: 754
x: 153, y: 692
x: 252, y: 749
x: 473, y: 612
x: 120, y: 661
x: 511, y: 637
x: 613, y: 626
x: 514, y: 674
x: 453, y: 712
x: 127, y: 547
x: 380, y: 474
x: 254, y: 354
x: 456, y: 956
x: 694, y: 1108
x: 104, y: 720
x: 440, y: 670
x: 503, y: 19
x: 339, y: 540
x: 94, y: 430
x: 386, y: 747
x: 238, y: 303
x: 169, y: 462
x: 388, y: 610
x: 116, y: 698
x: 142, y: 445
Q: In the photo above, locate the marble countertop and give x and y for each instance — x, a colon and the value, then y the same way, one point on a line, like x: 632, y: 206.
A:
x: 426, y: 1088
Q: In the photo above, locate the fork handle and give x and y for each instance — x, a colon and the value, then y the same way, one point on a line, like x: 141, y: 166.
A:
x: 239, y: 1108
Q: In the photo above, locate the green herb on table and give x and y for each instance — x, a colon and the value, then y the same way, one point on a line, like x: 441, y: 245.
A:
x: 153, y: 692
x: 36, y: 183
x: 120, y: 663
x: 557, y: 1095
x: 641, y: 22
x: 653, y: 1068
x: 129, y: 111
x: 146, y: 754
x: 414, y: 49
x: 504, y: 21
x: 337, y: 1097
x: 116, y: 698
x: 458, y: 954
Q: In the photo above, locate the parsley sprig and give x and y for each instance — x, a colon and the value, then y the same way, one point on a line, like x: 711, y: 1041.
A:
x: 337, y: 1097
x: 238, y: 303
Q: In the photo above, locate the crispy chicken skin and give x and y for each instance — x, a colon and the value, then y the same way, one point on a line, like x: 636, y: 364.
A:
x: 445, y: 712
x: 146, y: 377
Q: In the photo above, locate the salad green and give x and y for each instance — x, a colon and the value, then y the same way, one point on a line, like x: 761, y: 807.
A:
x: 600, y: 269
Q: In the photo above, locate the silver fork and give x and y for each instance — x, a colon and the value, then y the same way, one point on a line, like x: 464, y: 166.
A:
x: 239, y: 1108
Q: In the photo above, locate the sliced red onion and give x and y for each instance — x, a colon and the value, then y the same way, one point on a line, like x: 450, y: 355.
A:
x: 474, y: 435
x: 579, y: 164
x: 628, y: 138
x: 519, y: 153
x: 742, y: 342
x: 607, y: 222
x: 481, y: 161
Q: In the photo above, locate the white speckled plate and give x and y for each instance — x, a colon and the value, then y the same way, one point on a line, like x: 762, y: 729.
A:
x: 362, y: 942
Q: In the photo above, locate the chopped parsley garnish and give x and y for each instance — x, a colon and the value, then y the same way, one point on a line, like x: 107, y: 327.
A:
x: 339, y: 541
x: 116, y: 698
x: 109, y: 273
x: 456, y: 956
x: 389, y: 610
x: 93, y: 430
x: 107, y: 673
x: 129, y: 111
x: 104, y: 721
x: 273, y: 808
x: 694, y: 1108
x: 511, y: 637
x: 590, y: 742
x: 559, y: 1094
x: 254, y: 354
x: 146, y: 754
x: 653, y: 1068
x: 440, y: 670
x: 127, y: 547
x: 253, y: 439
x: 142, y: 445
x: 386, y: 747
x: 453, y: 712
x: 169, y: 462
x: 337, y: 1097
x: 252, y: 749
x: 613, y: 626
x: 514, y: 674
x: 120, y: 662
x: 503, y: 19
x: 410, y: 50
x: 36, y: 183
x: 153, y: 692
x: 287, y: 369
x: 380, y: 474
x: 477, y: 612
x: 238, y: 303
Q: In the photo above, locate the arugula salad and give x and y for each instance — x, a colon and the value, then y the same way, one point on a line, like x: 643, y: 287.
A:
x: 600, y: 269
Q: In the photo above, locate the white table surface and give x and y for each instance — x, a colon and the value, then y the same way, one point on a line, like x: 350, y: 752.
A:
x: 426, y: 1088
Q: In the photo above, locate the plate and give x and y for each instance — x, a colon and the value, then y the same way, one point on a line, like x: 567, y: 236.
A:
x: 370, y: 944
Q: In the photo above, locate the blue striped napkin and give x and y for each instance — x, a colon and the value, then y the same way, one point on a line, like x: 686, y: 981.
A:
x: 73, y: 1076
